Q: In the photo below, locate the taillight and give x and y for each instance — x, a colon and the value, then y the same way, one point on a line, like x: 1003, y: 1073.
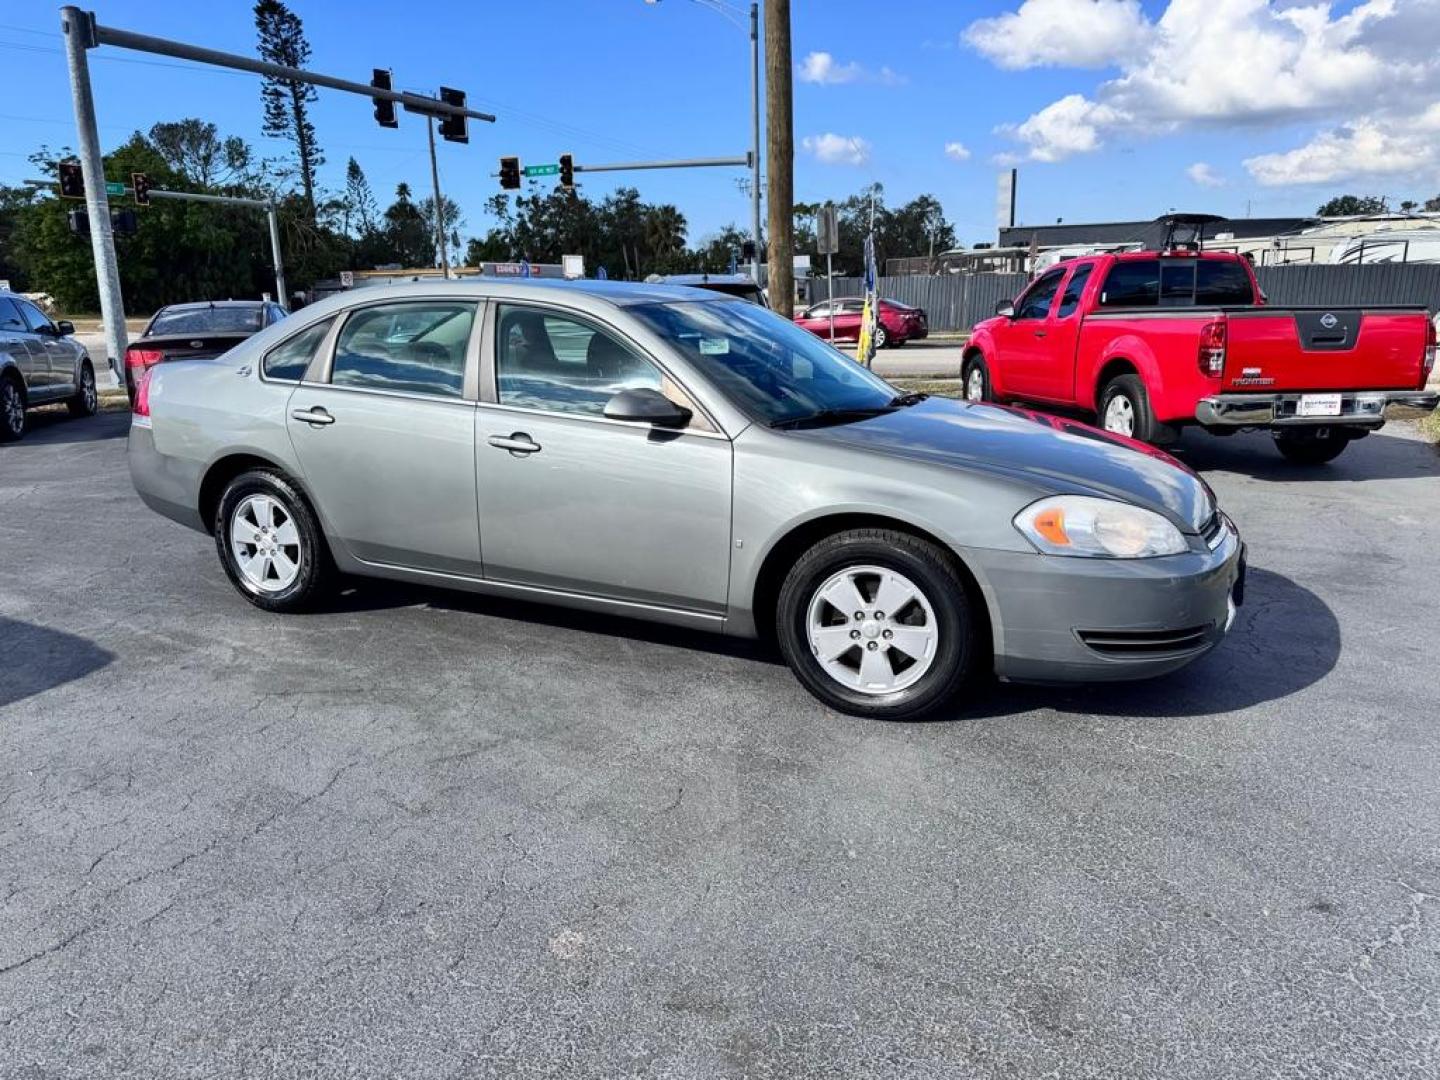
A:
x: 1212, y: 349
x: 142, y: 358
x: 1432, y: 345
x: 141, y: 405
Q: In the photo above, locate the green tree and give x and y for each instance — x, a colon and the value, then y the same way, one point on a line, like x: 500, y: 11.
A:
x: 287, y: 103
x: 361, y: 213
x: 408, y: 240
x: 193, y: 149
x: 1353, y: 206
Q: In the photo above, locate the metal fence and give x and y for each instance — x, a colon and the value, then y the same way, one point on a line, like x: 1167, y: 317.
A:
x: 959, y: 301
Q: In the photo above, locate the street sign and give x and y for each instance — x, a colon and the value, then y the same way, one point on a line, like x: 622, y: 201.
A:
x: 827, y: 230
x: 542, y: 170
x: 347, y: 279
x: 112, y: 188
x: 573, y: 265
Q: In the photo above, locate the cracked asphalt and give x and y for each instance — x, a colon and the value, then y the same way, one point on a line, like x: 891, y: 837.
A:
x: 428, y: 835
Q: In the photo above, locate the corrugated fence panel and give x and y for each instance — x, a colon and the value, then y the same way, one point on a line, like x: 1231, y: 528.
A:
x: 959, y: 301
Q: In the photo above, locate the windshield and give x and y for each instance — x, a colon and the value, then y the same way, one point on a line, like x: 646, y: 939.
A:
x: 216, y: 320
x: 770, y: 368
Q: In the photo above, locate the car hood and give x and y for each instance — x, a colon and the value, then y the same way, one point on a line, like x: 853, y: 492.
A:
x: 1052, y: 453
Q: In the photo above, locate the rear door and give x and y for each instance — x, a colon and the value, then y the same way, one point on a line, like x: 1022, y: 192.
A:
x: 386, y: 434
x: 17, y: 342
x: 55, y: 357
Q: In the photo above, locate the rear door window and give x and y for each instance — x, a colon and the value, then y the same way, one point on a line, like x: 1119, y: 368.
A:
x: 1222, y: 282
x: 1070, y: 298
x: 1132, y: 283
x: 415, y: 347
x: 290, y: 359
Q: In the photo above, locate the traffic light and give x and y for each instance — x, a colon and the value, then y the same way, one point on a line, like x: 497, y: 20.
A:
x: 123, y: 222
x: 567, y: 170
x: 72, y: 180
x: 141, y: 183
x: 454, y: 128
x: 79, y: 222
x: 509, y: 173
x: 384, y: 108
x: 747, y: 250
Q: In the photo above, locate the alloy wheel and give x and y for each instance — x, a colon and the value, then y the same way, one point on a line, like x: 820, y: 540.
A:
x: 266, y: 543
x: 872, y: 630
x: 12, y: 408
x: 88, y: 391
x: 975, y: 385
x: 1120, y: 415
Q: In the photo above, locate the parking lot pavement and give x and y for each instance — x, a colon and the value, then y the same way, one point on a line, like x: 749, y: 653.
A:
x: 428, y: 835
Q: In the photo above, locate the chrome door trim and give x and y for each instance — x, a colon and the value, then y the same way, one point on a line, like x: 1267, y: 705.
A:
x: 403, y: 395
x: 585, y: 418
x: 489, y: 385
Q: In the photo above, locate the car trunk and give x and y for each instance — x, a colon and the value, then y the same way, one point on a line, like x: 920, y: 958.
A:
x: 191, y: 346
x: 1288, y: 349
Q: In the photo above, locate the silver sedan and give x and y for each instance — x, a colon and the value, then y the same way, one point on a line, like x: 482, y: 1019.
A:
x: 667, y: 454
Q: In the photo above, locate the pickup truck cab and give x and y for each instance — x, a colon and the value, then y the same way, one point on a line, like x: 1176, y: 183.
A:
x: 1150, y: 341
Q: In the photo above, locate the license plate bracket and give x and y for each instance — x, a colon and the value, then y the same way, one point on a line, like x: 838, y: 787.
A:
x: 1318, y: 405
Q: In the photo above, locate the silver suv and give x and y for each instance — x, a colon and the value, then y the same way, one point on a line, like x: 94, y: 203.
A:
x: 40, y: 364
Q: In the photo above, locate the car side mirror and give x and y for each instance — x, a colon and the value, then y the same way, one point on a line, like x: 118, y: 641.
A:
x: 1006, y: 308
x: 643, y: 405
x: 64, y: 328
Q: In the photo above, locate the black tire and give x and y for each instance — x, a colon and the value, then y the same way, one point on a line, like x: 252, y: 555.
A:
x: 1131, y: 388
x: 1315, y: 446
x: 975, y: 366
x: 12, y: 409
x: 933, y: 572
x: 86, y: 401
x: 316, y: 570
x: 882, y: 339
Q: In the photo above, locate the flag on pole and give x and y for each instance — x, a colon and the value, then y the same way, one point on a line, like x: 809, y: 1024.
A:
x: 865, y: 352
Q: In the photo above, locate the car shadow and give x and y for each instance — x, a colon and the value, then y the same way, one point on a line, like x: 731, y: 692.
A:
x: 1381, y: 455
x: 1285, y: 639
x: 53, y: 425
x: 34, y: 659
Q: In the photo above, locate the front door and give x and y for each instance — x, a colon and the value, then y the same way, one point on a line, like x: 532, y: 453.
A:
x: 1023, y: 352
x: 386, y: 439
x: 1055, y: 378
x: 574, y: 502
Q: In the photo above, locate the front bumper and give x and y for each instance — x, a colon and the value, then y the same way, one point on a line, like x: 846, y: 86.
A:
x: 1363, y: 407
x: 1061, y: 619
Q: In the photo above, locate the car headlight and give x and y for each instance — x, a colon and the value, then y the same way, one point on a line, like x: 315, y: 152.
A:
x: 1098, y: 528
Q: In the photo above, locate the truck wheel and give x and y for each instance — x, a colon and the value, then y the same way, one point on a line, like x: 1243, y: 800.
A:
x: 977, y: 380
x: 1313, y: 447
x: 1125, y: 410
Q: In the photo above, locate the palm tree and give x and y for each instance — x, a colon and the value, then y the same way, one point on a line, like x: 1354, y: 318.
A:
x: 664, y: 230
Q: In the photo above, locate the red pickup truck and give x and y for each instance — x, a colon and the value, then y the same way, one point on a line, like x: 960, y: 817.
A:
x: 1151, y: 341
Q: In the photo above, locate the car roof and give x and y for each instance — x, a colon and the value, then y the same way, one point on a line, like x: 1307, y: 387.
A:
x: 205, y: 305
x: 708, y: 279
x: 614, y: 293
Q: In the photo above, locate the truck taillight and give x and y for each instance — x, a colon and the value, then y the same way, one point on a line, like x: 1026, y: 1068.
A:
x: 1432, y: 345
x: 141, y: 405
x: 1211, y: 357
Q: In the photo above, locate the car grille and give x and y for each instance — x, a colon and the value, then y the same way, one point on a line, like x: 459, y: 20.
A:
x: 1143, y: 642
x: 1213, y: 531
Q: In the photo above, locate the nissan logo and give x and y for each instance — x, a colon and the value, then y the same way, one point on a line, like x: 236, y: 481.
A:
x: 1328, y: 320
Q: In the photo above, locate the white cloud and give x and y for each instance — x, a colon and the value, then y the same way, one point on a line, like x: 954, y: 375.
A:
x: 1061, y: 33
x: 1219, y: 63
x: 1204, y: 175
x: 1369, y: 146
x: 957, y: 151
x: 823, y: 69
x: 831, y: 149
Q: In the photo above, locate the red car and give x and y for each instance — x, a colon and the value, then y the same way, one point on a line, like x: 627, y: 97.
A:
x: 1150, y: 341
x: 899, y: 322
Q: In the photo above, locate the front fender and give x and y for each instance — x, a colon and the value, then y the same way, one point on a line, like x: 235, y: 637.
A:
x: 983, y: 342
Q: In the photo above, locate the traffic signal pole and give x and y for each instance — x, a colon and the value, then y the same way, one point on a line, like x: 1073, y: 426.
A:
x: 78, y: 29
x: 439, y: 202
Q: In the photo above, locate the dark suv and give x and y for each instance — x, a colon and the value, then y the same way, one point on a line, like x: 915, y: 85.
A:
x: 40, y: 364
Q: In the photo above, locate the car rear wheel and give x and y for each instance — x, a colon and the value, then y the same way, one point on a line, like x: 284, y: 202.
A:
x: 86, y: 401
x: 12, y: 409
x: 1125, y: 410
x: 878, y: 623
x: 1312, y: 447
x: 270, y: 542
x: 977, y: 380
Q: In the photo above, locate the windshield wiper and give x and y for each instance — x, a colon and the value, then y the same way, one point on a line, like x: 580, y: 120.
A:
x: 829, y: 416
x: 900, y: 401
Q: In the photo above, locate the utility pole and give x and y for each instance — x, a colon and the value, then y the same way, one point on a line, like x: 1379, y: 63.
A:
x: 755, y: 137
x: 439, y: 202
x: 780, y: 151
x: 79, y: 31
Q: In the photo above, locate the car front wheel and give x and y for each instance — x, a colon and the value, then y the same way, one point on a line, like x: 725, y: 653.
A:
x: 270, y: 542
x: 881, y: 337
x: 977, y: 380
x: 86, y: 401
x: 878, y: 623
x: 12, y: 409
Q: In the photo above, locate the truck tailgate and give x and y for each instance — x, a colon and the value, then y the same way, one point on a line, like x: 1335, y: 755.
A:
x: 1324, y: 348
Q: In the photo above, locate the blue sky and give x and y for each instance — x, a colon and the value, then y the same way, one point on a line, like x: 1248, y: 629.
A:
x: 1110, y: 108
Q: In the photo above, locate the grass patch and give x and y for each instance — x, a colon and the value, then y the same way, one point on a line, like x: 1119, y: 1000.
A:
x: 939, y: 387
x: 1430, y: 427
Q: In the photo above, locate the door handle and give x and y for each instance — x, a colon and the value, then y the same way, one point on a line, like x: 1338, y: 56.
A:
x: 317, y: 416
x: 518, y: 443
x: 1039, y: 333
